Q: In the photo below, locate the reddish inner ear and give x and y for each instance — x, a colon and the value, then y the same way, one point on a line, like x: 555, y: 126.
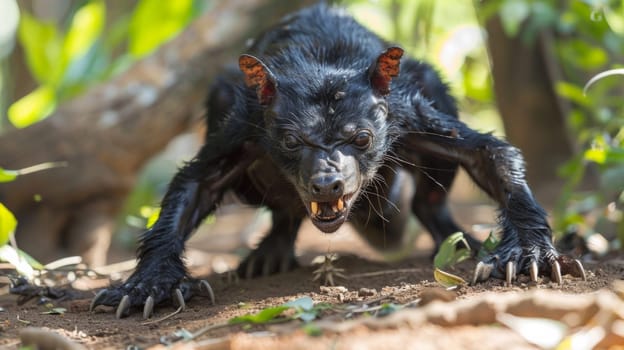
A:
x: 386, y: 67
x: 259, y: 76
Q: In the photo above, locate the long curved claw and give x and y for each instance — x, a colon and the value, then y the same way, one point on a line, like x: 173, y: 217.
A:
x: 124, y: 306
x: 533, y: 258
x: 97, y: 299
x: 179, y: 298
x: 533, y: 271
x: 572, y: 267
x: 148, y: 309
x: 205, y: 288
x: 482, y: 272
x: 556, y: 272
x: 510, y: 272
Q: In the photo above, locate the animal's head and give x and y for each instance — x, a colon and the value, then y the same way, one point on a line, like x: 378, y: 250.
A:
x: 326, y: 128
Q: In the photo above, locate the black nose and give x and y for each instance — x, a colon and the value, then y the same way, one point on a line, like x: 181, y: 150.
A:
x: 327, y: 186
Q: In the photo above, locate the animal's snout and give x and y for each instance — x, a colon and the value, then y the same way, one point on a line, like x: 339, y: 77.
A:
x: 327, y: 186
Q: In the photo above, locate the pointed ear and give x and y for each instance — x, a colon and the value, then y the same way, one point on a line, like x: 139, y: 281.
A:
x: 384, y: 69
x: 259, y: 76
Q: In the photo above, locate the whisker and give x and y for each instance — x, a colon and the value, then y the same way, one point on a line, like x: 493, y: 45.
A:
x: 434, y: 180
x: 373, y: 208
x: 419, y: 132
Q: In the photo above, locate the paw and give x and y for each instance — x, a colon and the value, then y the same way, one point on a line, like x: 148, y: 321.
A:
x: 511, y: 259
x: 263, y: 263
x: 144, y: 290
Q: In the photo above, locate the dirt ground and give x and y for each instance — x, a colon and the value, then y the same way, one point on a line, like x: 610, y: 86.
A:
x: 431, y: 318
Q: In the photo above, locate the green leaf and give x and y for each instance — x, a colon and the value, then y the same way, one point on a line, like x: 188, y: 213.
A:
x: 306, y: 303
x: 8, y: 223
x: 488, y: 246
x: 154, y: 22
x: 13, y: 257
x: 55, y: 311
x: 33, y: 107
x: 304, y: 307
x: 583, y: 55
x: 615, y: 156
x: 597, y: 155
x: 261, y: 317
x: 152, y: 217
x: 447, y: 279
x: 86, y: 26
x: 7, y: 175
x: 572, y: 93
x: 42, y: 45
x: 449, y: 254
x: 30, y: 260
x: 615, y: 18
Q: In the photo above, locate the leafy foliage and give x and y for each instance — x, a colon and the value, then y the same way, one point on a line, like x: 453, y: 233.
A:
x: 592, y: 41
x: 66, y: 58
x: 304, y: 310
x: 7, y: 175
x: 449, y: 253
x: 264, y: 316
x: 446, y: 279
x: 588, y: 42
x: 447, y: 34
x: 7, y: 224
x: 24, y: 263
x: 154, y: 22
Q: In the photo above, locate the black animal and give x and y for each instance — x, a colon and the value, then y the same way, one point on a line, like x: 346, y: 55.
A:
x: 319, y: 122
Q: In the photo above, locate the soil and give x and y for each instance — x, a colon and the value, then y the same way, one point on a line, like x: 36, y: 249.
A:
x: 352, y: 322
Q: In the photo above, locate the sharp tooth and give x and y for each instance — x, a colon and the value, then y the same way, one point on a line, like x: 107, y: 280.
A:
x: 314, y: 208
x: 340, y: 205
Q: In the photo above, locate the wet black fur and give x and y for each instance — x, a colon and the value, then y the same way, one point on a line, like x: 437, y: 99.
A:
x: 409, y: 167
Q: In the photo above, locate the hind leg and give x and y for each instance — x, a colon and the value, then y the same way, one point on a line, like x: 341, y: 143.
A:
x: 433, y: 179
x: 276, y: 251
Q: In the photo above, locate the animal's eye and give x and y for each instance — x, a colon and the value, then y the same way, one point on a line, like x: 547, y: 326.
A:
x: 363, y: 139
x: 291, y: 141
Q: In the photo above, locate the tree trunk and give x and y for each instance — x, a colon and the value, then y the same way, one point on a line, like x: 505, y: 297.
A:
x: 534, y: 116
x: 106, y: 135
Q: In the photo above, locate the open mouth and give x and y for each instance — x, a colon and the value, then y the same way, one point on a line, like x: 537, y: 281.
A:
x: 329, y: 216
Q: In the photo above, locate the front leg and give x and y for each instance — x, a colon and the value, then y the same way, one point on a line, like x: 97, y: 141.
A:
x: 498, y: 168
x: 192, y: 195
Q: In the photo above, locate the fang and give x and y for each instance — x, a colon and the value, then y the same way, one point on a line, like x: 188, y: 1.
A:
x: 314, y: 208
